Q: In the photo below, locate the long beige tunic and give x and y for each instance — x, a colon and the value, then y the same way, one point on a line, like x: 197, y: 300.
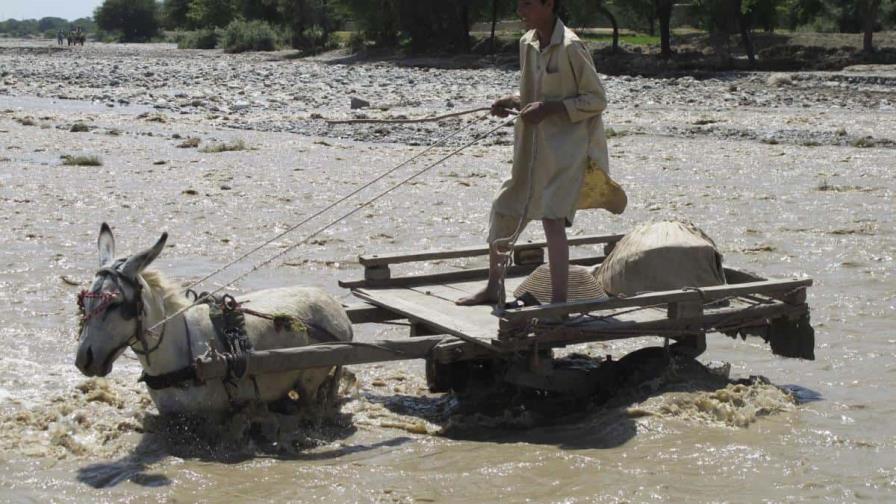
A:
x: 563, y: 148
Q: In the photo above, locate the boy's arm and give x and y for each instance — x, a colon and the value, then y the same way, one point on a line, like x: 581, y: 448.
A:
x: 502, y: 105
x: 592, y: 98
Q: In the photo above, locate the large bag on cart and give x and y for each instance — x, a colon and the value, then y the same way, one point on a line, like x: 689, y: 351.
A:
x: 661, y: 256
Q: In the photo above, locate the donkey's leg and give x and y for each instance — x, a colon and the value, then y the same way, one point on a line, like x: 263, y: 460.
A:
x: 328, y: 392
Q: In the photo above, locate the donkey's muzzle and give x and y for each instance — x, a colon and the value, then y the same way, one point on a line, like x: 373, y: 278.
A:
x: 87, y: 364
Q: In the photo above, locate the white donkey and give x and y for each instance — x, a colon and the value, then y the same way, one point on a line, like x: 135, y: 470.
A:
x: 125, y: 300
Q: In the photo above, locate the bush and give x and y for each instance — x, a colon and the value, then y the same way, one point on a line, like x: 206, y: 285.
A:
x: 238, y: 145
x: 319, y: 39
x: 356, y: 42
x: 206, y: 38
x: 70, y: 160
x: 132, y: 20
x: 241, y: 36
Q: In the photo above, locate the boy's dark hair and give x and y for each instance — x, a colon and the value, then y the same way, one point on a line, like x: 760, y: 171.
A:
x: 556, y: 6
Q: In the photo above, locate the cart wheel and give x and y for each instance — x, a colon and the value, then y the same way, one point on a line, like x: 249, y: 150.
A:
x: 460, y: 377
x: 642, y: 365
x: 442, y: 377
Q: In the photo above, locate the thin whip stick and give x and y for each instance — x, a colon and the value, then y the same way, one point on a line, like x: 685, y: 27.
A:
x: 343, y: 217
x: 406, y: 121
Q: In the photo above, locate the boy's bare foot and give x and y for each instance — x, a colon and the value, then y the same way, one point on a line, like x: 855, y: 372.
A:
x: 485, y: 296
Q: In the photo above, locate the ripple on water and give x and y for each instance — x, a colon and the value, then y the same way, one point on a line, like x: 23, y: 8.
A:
x: 736, y: 406
x: 93, y: 419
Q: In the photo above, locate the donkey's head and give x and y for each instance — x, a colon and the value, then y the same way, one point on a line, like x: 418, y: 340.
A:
x: 112, y: 309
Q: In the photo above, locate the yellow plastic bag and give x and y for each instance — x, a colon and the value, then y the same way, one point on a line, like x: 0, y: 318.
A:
x: 600, y: 191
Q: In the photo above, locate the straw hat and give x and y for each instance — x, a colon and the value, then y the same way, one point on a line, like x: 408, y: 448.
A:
x: 582, y: 285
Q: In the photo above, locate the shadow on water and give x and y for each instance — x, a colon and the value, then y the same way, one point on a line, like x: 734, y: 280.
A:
x: 803, y: 395
x: 608, y: 419
x: 231, y: 440
x: 131, y: 467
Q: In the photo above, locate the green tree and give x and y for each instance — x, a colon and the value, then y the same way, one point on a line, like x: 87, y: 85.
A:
x: 664, y: 15
x: 87, y: 24
x: 133, y: 20
x: 638, y: 14
x: 423, y: 24
x: 869, y: 10
x: 53, y: 24
x: 648, y: 12
x: 848, y: 16
x: 377, y: 20
x: 17, y: 28
x: 175, y: 14
x: 212, y: 13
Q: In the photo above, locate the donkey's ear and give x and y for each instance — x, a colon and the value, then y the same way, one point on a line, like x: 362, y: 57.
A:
x: 135, y: 264
x: 106, y: 245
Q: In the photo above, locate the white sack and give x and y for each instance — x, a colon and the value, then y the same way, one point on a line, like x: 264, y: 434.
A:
x: 661, y: 256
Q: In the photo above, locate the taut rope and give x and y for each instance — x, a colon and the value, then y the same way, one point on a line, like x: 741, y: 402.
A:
x: 324, y: 210
x: 336, y: 221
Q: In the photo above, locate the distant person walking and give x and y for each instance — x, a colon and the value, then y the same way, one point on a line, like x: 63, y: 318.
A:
x: 60, y: 36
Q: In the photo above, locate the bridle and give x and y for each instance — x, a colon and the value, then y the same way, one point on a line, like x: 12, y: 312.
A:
x: 131, y: 310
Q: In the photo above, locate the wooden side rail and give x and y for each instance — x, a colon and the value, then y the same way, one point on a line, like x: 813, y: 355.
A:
x: 513, y: 317
x: 656, y: 325
x: 377, y: 260
x: 453, y: 276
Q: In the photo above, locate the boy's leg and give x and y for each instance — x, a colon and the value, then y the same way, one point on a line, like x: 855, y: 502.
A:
x: 500, y: 226
x: 489, y: 293
x: 558, y: 258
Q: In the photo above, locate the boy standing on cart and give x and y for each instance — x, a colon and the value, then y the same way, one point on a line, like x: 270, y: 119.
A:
x: 560, y: 160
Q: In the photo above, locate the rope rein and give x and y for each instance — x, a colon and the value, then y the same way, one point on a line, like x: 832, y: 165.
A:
x: 504, y: 246
x: 325, y: 209
x: 338, y: 220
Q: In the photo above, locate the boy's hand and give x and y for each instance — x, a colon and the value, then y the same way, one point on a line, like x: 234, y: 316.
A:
x: 502, y: 105
x: 536, y: 112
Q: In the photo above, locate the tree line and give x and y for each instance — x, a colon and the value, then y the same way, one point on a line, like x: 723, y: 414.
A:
x: 45, y: 27
x: 423, y: 25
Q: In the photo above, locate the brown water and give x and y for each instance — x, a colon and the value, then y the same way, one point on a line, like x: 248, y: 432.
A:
x: 782, y: 210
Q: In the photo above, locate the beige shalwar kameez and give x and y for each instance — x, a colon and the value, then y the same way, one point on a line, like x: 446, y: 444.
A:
x: 566, y: 153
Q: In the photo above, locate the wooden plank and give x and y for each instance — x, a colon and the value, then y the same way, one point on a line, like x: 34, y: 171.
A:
x: 475, y: 324
x: 456, y: 276
x: 447, y: 293
x: 650, y: 323
x: 282, y: 360
x: 654, y: 298
x: 386, y: 259
x: 364, y: 313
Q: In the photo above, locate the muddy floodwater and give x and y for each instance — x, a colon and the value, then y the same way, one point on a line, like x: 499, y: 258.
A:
x: 791, y: 174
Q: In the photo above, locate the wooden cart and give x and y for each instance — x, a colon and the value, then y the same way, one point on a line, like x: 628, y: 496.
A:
x: 515, y: 346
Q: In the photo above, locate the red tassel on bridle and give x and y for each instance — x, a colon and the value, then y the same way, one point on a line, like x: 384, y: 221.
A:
x: 106, y: 298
